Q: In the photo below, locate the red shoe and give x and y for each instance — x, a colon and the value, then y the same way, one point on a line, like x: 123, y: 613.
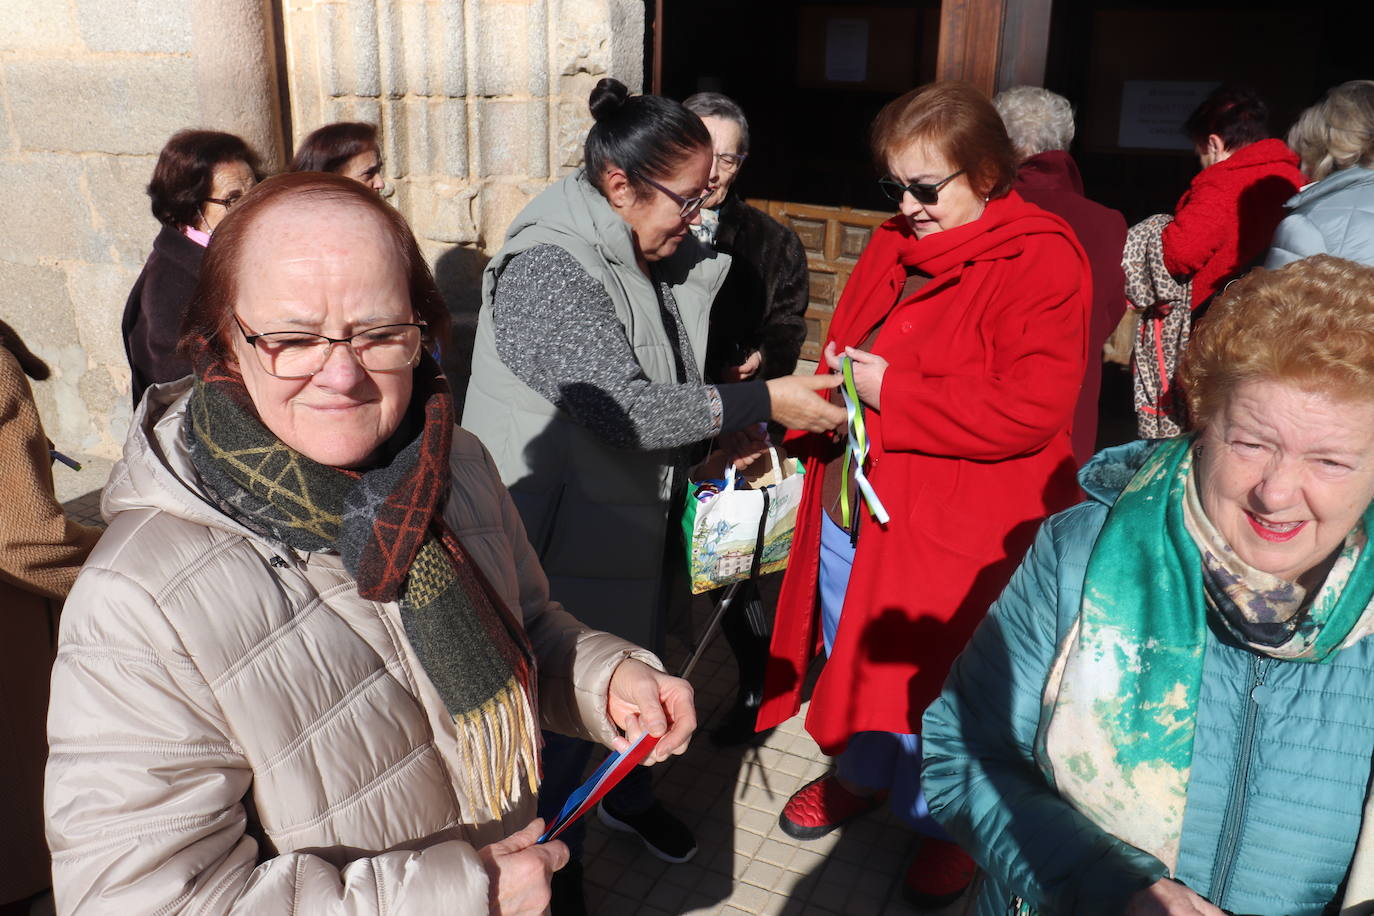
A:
x: 822, y: 805
x: 938, y: 876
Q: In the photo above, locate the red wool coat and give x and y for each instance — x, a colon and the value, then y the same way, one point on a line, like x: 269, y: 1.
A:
x: 1226, y: 218
x: 1051, y: 180
x: 970, y: 451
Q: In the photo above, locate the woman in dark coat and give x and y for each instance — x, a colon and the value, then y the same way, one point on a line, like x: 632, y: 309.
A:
x: 199, y: 175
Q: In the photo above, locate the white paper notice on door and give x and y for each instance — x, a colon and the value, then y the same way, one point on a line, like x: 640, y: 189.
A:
x: 1153, y: 112
x: 846, y: 50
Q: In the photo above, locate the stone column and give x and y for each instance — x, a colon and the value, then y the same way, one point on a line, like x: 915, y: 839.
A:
x: 233, y: 53
x: 481, y: 103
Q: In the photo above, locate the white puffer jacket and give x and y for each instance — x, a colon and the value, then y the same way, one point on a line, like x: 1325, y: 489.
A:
x: 234, y: 730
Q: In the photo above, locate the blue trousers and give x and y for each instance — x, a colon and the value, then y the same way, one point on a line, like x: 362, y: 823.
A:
x: 875, y: 760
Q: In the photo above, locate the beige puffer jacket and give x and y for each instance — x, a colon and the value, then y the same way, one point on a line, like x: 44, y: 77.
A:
x: 234, y: 730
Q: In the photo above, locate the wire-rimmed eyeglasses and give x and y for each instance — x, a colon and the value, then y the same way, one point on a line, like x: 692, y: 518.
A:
x: 299, y: 354
x: 689, y: 205
x: 926, y: 194
x: 730, y: 162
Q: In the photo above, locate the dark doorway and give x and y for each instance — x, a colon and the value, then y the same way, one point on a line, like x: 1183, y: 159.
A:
x: 776, y: 58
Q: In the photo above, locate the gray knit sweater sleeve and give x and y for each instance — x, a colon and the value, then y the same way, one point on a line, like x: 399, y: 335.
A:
x: 557, y: 330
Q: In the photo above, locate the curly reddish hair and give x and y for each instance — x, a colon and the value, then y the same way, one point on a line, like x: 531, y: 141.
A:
x: 1309, y: 323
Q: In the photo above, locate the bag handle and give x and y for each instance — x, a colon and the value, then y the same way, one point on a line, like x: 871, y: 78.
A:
x: 732, y: 476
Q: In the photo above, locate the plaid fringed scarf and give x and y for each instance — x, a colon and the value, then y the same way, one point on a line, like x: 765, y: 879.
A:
x: 387, y: 525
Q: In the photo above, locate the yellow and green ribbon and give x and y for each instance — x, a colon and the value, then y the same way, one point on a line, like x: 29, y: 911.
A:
x: 856, y: 450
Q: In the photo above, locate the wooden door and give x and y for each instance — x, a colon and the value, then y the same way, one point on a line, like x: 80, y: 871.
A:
x: 833, y: 238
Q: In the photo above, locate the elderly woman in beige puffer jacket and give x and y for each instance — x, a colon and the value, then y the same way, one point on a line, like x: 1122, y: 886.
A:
x: 305, y: 668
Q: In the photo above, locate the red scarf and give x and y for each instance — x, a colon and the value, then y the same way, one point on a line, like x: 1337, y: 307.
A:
x: 872, y: 287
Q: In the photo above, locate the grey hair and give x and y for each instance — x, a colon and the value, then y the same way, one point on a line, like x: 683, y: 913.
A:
x: 715, y: 105
x: 1337, y: 132
x: 1037, y: 120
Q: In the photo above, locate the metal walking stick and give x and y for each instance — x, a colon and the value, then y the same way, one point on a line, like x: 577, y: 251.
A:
x: 721, y: 607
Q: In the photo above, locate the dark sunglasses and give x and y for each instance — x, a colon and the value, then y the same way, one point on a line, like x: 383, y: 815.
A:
x: 689, y: 205
x: 927, y: 194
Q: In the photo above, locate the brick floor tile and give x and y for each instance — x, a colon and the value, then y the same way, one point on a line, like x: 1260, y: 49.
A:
x: 619, y: 905
x: 776, y: 852
x: 668, y: 896
x: 762, y: 874
x: 760, y: 822
x: 807, y: 861
x: 842, y: 873
x: 635, y: 883
x: 793, y: 765
x: 750, y: 898
x: 702, y: 906
x: 830, y: 896
x: 747, y: 843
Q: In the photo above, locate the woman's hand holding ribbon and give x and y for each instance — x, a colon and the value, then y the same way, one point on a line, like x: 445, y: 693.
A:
x: 869, y: 369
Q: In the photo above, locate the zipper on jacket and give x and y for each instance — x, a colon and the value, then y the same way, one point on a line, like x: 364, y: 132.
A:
x: 1237, y: 801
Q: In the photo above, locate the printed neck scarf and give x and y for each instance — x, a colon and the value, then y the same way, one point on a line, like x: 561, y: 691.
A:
x: 387, y: 525
x: 706, y: 230
x: 1120, y: 706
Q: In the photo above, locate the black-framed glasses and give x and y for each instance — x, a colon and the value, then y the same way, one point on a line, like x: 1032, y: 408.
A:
x: 225, y: 202
x: 689, y: 205
x: 298, y: 354
x: 731, y: 162
x: 927, y: 194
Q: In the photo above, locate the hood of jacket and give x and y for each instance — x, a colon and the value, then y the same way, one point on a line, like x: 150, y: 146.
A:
x: 1262, y: 154
x: 1354, y: 180
x: 573, y: 208
x: 156, y: 472
x: 1109, y: 471
x: 1053, y: 170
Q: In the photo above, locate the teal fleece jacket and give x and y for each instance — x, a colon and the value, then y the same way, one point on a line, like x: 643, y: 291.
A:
x: 1281, y: 758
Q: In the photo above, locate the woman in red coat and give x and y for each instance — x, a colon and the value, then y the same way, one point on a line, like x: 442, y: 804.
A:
x: 966, y: 320
x: 1224, y: 221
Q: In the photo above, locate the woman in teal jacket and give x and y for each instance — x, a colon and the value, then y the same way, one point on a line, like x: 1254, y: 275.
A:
x: 1171, y: 708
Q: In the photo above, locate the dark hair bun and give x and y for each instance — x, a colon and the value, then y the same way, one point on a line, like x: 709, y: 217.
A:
x: 607, y: 99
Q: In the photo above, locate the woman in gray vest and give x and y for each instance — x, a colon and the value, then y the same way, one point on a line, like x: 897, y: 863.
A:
x: 587, y: 390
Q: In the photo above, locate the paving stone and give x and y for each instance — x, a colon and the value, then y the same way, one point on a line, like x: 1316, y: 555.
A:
x: 751, y: 898
x: 762, y: 874
x: 806, y: 862
x: 760, y: 822
x: 776, y: 853
x: 667, y: 895
x: 747, y: 843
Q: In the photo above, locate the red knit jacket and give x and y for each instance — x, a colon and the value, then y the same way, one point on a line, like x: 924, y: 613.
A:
x: 1225, y: 219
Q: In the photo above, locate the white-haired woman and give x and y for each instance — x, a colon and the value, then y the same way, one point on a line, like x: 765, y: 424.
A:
x: 1040, y: 125
x: 1334, y: 214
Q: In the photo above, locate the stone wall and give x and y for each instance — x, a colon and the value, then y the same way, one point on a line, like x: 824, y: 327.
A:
x: 481, y: 104
x: 89, y: 92
x: 88, y: 99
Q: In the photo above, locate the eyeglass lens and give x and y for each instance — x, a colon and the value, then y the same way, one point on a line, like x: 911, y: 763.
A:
x: 290, y: 354
x: 927, y: 194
